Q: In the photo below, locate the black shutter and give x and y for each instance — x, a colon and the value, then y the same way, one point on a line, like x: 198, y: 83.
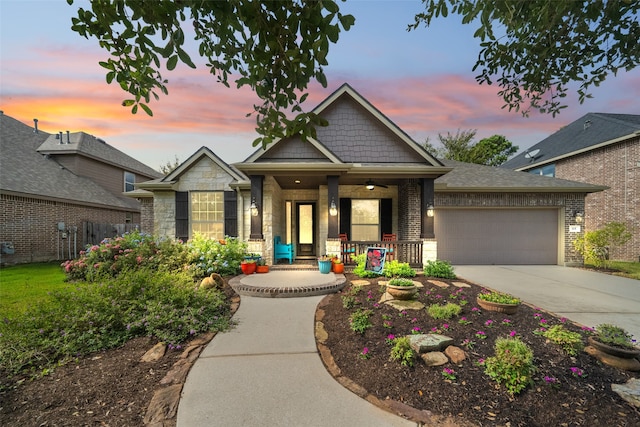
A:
x: 182, y: 215
x: 345, y: 217
x: 231, y: 213
x: 386, y: 217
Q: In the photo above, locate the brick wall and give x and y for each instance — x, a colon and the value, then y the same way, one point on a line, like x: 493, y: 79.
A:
x: 616, y: 166
x: 32, y: 226
x: 146, y: 215
x: 409, y: 221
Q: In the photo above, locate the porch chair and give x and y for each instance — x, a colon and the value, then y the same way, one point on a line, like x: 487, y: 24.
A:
x: 389, y: 237
x: 282, y: 250
x: 345, y: 251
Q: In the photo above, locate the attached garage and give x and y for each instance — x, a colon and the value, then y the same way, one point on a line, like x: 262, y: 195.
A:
x: 497, y: 236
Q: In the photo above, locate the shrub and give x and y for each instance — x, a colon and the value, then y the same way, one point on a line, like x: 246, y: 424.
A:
x: 444, y: 312
x: 96, y: 316
x: 498, y: 297
x: 438, y: 268
x: 359, y: 320
x: 398, y: 269
x: 594, y: 245
x: 402, y: 351
x: 349, y: 301
x: 511, y: 365
x: 401, y: 281
x: 214, y: 256
x: 571, y: 342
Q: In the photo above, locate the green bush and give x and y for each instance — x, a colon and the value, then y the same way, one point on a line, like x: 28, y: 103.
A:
x: 105, y: 314
x: 594, y: 245
x: 402, y: 351
x: 401, y: 281
x: 571, y: 342
x: 444, y: 311
x: 438, y: 268
x: 359, y: 320
x: 212, y: 256
x: 511, y: 365
x: 398, y: 269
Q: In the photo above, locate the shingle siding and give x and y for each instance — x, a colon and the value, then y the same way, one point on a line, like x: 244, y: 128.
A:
x: 616, y: 166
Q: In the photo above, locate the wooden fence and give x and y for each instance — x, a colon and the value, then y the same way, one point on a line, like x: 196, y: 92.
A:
x: 402, y: 250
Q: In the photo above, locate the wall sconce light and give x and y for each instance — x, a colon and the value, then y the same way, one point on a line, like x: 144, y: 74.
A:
x: 430, y: 211
x: 333, y: 210
x: 578, y: 217
x: 254, y: 208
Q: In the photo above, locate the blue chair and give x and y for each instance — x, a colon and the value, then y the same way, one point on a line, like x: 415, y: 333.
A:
x: 282, y: 250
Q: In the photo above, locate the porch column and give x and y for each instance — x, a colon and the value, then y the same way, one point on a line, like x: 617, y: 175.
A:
x: 332, y: 196
x: 256, y: 199
x: 427, y: 230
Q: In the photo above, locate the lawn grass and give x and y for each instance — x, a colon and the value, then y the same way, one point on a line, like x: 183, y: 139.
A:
x: 25, y: 285
x: 623, y: 268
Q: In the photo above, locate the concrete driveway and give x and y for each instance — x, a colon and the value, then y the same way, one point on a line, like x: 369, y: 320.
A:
x: 583, y: 296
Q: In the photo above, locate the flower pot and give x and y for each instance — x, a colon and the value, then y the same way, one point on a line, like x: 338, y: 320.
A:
x: 338, y: 267
x: 262, y: 269
x: 498, y: 307
x: 625, y: 353
x: 248, y: 267
x: 402, y: 292
x: 324, y: 266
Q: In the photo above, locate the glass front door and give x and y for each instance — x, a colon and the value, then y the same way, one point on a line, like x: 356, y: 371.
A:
x: 306, y: 226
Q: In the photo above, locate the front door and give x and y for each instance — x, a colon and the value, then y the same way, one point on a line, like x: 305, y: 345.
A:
x: 306, y: 226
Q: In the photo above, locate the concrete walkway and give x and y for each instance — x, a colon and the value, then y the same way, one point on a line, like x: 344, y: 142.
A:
x: 583, y: 296
x: 267, y: 372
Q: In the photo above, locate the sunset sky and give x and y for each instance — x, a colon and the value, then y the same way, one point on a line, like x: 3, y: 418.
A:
x: 422, y: 80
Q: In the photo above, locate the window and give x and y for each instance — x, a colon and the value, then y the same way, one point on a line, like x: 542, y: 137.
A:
x: 128, y: 217
x: 129, y: 181
x: 365, y: 219
x: 207, y: 214
x: 546, y: 170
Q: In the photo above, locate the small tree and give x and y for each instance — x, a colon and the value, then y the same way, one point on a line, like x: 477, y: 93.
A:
x: 595, y: 245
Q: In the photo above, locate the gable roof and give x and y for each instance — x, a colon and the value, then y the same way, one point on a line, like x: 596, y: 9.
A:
x: 344, y: 93
x: 591, y: 131
x: 480, y: 178
x: 25, y: 172
x: 167, y: 182
x: 83, y: 144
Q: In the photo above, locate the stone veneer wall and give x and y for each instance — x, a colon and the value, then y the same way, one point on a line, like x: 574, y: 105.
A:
x: 616, y: 166
x: 566, y: 202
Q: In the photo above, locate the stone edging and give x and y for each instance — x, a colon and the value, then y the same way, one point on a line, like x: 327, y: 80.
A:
x: 287, y: 291
x: 162, y: 410
x: 421, y: 417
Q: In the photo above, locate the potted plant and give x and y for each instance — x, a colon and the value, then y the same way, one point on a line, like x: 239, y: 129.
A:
x: 614, y: 340
x: 401, y: 288
x: 337, y: 266
x: 324, y: 264
x: 261, y: 266
x: 498, y: 301
x: 248, y: 266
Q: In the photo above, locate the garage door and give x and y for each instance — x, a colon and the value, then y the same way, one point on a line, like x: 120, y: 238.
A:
x: 497, y: 236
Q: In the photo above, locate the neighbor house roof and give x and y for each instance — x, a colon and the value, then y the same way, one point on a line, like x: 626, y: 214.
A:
x: 83, y: 144
x: 25, y: 172
x: 469, y: 177
x: 589, y: 132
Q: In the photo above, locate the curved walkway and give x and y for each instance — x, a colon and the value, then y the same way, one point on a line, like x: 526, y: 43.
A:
x: 287, y: 284
x: 267, y: 372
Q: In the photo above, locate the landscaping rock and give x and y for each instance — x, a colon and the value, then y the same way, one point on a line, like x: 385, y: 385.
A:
x: 164, y: 404
x: 434, y: 358
x: 424, y: 343
x: 632, y: 365
x: 360, y: 282
x: 439, y: 283
x: 321, y: 333
x: 461, y: 285
x: 630, y: 391
x: 455, y: 354
x: 155, y: 353
x: 404, y: 305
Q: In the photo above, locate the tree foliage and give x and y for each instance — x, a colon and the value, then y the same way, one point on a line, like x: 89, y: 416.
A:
x: 536, y: 48
x: 169, y: 166
x: 595, y: 246
x: 276, y: 48
x: 491, y: 151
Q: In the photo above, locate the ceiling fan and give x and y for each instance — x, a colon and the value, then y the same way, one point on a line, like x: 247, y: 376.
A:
x: 370, y: 185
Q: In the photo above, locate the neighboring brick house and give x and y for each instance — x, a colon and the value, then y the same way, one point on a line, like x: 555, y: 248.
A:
x: 363, y: 178
x: 601, y: 149
x: 52, y: 187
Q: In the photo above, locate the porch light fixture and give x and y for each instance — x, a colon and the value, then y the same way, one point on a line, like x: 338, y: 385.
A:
x: 430, y: 211
x: 370, y: 186
x: 254, y: 208
x: 333, y: 210
x: 578, y: 217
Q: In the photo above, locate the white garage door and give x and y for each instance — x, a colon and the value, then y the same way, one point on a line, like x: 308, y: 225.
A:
x: 497, y: 236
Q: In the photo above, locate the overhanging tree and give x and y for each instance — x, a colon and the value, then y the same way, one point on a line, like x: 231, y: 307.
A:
x: 491, y: 151
x: 535, y: 49
x: 274, y: 47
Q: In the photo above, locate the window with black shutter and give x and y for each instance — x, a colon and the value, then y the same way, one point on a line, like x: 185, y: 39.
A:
x: 182, y: 215
x: 231, y: 213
